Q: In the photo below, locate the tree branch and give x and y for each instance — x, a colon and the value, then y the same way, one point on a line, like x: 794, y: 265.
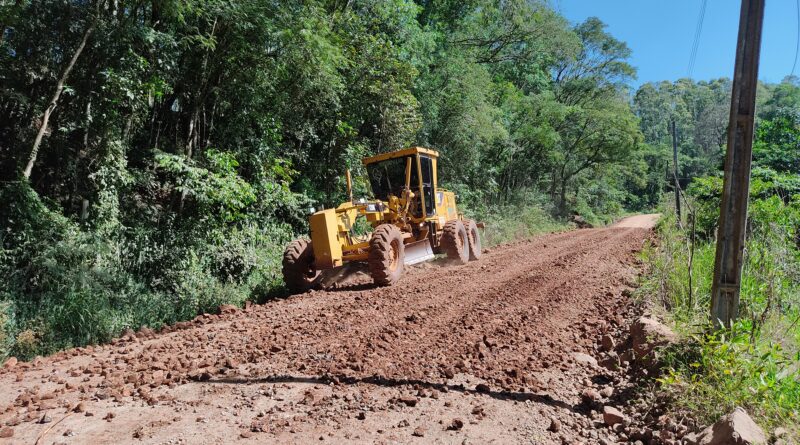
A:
x: 54, y: 101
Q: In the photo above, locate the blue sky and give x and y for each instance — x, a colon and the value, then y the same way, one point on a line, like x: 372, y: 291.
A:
x: 661, y: 34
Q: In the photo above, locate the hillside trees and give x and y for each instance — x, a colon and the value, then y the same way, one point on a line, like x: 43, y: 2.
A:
x: 597, y: 127
x: 700, y: 110
x: 538, y: 109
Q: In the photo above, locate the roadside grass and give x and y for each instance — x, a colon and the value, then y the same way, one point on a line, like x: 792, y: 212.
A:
x: 755, y: 364
x: 511, y: 223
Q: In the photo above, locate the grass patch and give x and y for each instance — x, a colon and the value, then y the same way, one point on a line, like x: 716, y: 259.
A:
x: 510, y: 223
x: 755, y: 364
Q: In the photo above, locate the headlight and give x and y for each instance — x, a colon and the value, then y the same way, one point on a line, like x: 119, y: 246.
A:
x: 311, y: 210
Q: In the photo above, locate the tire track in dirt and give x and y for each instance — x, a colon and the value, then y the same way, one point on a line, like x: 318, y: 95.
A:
x: 360, y: 364
x: 472, y: 309
x: 394, y: 311
x: 387, y: 311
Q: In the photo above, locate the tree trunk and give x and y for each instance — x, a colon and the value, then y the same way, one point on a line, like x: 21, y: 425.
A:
x: 54, y: 101
x: 562, y: 198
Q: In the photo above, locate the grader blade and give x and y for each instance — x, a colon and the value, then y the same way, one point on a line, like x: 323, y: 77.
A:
x: 341, y: 276
x: 418, y: 252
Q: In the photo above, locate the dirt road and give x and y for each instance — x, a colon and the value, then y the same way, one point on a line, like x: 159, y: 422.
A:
x: 495, y: 351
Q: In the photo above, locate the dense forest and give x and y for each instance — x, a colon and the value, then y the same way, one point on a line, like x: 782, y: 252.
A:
x: 157, y: 155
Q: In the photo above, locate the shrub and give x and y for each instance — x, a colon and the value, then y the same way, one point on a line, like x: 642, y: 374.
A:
x: 67, y: 285
x: 714, y: 373
x: 755, y: 364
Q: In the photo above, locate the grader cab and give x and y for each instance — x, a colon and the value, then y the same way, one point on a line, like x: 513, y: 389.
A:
x: 410, y: 218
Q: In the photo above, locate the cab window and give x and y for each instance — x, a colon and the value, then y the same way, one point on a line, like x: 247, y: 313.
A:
x: 426, y: 165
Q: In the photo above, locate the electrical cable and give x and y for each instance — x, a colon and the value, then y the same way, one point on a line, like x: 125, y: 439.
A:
x: 698, y: 31
x: 797, y: 45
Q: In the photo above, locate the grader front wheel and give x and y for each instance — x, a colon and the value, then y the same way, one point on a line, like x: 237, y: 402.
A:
x: 386, y: 255
x: 455, y: 241
x: 299, y: 272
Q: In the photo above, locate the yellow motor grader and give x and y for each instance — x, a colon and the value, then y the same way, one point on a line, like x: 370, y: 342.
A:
x: 410, y: 218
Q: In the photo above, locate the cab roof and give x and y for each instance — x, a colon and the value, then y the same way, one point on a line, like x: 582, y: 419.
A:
x: 400, y: 154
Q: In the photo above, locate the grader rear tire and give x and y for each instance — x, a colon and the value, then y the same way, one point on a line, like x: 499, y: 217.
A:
x: 455, y: 242
x: 474, y: 237
x: 299, y: 272
x: 386, y: 255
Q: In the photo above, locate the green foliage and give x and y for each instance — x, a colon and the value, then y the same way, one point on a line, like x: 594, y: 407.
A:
x: 773, y: 201
x: 713, y: 374
x: 777, y: 143
x: 69, y: 287
x: 755, y: 364
x: 520, y: 220
x: 700, y: 111
x: 218, y: 190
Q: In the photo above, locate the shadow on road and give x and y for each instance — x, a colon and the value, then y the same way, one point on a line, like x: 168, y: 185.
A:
x: 388, y: 382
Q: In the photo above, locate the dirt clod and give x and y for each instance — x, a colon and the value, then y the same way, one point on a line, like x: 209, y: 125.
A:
x: 455, y: 424
x: 10, y: 363
x: 590, y: 395
x: 408, y: 400
x: 737, y: 428
x: 607, y: 343
x: 483, y: 388
x: 612, y: 416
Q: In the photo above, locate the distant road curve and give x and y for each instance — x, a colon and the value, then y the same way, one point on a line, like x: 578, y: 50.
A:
x: 639, y: 221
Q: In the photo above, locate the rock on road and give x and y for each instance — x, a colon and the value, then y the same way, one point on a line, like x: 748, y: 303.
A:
x: 494, y: 351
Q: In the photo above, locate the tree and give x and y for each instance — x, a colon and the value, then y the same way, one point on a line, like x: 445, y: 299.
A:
x: 777, y: 141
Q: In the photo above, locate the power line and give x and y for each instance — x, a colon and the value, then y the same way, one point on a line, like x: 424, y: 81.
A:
x: 697, y: 32
x: 797, y: 46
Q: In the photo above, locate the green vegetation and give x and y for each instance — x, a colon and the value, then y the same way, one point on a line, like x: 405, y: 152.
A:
x: 520, y: 220
x: 755, y: 364
x: 158, y: 156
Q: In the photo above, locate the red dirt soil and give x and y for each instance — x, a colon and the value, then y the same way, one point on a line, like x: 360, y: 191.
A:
x: 477, y: 353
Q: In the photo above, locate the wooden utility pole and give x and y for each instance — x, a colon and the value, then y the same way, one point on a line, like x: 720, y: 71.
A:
x: 675, y: 172
x: 735, y: 191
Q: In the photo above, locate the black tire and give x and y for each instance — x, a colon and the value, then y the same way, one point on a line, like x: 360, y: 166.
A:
x: 455, y: 242
x: 474, y: 237
x: 386, y: 255
x: 299, y: 272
